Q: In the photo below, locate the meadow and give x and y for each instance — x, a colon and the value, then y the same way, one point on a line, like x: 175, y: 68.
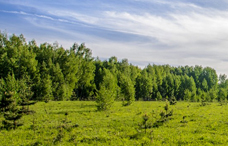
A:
x: 79, y: 123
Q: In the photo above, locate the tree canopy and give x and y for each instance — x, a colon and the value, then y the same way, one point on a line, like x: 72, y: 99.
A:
x: 56, y: 73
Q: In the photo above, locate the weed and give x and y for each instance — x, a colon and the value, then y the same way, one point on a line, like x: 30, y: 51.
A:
x: 164, y: 116
x: 59, y: 136
x: 223, y: 102
x: 33, y: 126
x: 172, y: 100
x: 184, y: 120
x: 204, y: 103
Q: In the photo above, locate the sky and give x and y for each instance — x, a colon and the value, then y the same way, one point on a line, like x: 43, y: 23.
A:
x: 177, y: 32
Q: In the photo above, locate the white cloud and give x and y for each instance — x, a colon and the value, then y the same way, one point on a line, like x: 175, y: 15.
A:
x: 15, y: 12
x: 193, y: 38
x: 188, y: 35
x: 173, y: 4
x: 43, y: 16
x: 74, y: 16
x: 176, y: 29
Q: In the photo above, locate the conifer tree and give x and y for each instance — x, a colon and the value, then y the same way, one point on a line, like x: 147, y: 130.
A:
x: 26, y: 93
x: 9, y: 101
x: 11, y: 111
x: 107, y: 93
x: 58, y: 87
x: 47, y: 88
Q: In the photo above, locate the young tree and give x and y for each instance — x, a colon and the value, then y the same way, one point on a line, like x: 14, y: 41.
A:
x: 11, y: 112
x: 107, y: 93
x: 25, y: 93
x: 9, y: 102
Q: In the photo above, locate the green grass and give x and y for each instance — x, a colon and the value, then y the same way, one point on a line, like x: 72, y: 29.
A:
x: 203, y: 125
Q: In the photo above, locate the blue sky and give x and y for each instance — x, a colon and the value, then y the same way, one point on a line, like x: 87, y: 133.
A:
x: 177, y: 32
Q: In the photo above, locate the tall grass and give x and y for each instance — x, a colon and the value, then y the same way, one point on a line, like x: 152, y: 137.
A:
x: 79, y: 123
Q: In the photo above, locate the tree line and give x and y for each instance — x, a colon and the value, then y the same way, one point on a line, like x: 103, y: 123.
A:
x: 51, y: 72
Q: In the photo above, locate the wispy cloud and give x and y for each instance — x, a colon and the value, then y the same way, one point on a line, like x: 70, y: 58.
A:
x: 175, y: 32
x: 14, y: 12
x: 75, y: 16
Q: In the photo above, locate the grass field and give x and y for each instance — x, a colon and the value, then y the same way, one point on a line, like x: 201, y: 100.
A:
x: 78, y: 123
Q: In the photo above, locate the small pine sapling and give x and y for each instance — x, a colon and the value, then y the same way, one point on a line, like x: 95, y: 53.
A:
x: 144, y: 123
x: 223, y: 102
x: 164, y: 116
x: 59, y: 136
x: 33, y: 126
x: 203, y: 103
x: 184, y: 120
x: 63, y: 125
x: 26, y: 94
x: 172, y: 100
x: 11, y: 112
x: 6, y: 101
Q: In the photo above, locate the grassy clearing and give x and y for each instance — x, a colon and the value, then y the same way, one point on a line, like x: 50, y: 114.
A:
x: 78, y: 123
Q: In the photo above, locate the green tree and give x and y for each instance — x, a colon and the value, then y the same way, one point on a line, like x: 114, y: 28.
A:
x: 11, y: 113
x: 187, y: 85
x: 85, y: 87
x: 107, y: 93
x: 58, y: 88
x: 9, y: 102
x: 127, y: 89
x: 159, y: 96
x: 204, y: 85
x: 223, y: 82
x: 168, y: 85
x: 222, y: 94
x: 187, y: 95
x: 210, y: 76
x: 46, y: 91
x: 25, y: 93
x: 144, y: 86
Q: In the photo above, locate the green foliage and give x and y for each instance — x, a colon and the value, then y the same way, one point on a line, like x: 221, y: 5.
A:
x: 164, y: 116
x: 204, y: 85
x: 187, y: 95
x: 46, y: 89
x: 144, y: 86
x: 85, y: 126
x: 10, y: 110
x: 223, y: 102
x: 145, y: 125
x: 203, y: 103
x: 57, y: 73
x: 159, y: 96
x: 85, y: 86
x: 172, y: 100
x: 10, y: 84
x: 222, y: 94
x: 10, y: 97
x: 107, y: 92
x: 25, y: 93
x: 127, y: 90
